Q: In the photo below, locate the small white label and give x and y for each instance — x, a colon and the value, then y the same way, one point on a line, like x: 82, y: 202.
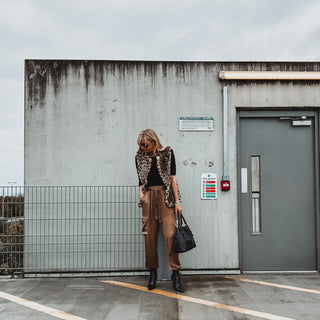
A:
x: 301, y: 123
x: 244, y: 180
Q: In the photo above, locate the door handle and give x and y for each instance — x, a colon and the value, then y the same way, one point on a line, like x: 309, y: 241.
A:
x: 255, y: 195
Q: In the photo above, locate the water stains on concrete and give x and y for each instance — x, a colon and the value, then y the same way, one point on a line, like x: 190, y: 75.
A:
x: 43, y: 76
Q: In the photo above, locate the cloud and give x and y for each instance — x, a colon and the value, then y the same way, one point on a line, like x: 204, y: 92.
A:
x: 285, y: 38
x: 261, y: 32
x: 178, y: 30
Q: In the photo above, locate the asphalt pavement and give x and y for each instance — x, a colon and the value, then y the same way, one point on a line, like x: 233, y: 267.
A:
x: 263, y: 296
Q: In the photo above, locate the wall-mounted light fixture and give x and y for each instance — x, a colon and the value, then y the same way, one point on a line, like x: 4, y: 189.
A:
x: 268, y: 75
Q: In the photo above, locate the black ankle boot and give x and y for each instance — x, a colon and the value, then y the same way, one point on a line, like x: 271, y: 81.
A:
x: 152, y: 279
x: 176, y: 281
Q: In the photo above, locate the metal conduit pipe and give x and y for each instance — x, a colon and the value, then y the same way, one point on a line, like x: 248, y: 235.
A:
x: 225, y: 175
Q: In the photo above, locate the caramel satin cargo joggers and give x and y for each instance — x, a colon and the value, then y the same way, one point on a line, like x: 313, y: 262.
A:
x: 155, y: 211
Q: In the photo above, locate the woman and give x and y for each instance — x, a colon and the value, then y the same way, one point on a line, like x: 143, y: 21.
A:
x: 160, y: 201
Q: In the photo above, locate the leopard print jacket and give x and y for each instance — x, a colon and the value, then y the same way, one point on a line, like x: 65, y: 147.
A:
x: 163, y: 160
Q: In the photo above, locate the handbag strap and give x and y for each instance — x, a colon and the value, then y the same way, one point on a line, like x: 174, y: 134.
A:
x: 180, y: 219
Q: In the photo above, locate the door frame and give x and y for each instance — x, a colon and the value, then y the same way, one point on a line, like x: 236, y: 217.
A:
x: 251, y: 112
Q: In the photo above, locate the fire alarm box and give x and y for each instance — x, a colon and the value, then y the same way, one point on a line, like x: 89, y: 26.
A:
x: 225, y: 185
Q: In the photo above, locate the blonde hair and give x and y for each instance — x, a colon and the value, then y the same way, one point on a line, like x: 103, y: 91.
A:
x: 151, y: 136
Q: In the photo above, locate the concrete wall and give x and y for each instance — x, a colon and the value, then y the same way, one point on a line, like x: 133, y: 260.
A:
x: 82, y: 119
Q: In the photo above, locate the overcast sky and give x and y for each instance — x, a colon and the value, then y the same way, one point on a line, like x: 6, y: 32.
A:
x: 211, y: 30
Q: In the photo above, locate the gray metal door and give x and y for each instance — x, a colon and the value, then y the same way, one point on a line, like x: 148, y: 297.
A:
x: 277, y: 191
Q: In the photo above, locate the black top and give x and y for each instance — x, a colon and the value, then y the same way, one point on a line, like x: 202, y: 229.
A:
x: 154, y: 178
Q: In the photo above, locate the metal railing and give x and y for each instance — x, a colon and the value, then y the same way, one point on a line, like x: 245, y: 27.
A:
x: 70, y: 229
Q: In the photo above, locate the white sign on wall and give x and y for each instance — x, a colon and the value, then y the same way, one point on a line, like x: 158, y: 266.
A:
x: 244, y: 180
x: 196, y: 124
x: 209, y: 186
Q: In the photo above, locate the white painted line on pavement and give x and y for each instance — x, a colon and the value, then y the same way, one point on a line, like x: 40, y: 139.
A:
x: 36, y: 306
x: 270, y: 284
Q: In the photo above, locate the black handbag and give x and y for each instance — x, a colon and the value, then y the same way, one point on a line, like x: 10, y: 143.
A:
x: 183, y: 237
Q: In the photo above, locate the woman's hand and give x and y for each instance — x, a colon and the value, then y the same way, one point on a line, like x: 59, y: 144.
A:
x: 141, y: 196
x: 177, y: 209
